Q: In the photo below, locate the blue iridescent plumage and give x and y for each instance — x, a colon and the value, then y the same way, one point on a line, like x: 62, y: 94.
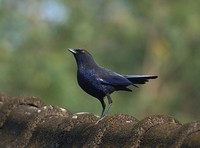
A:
x: 101, y: 82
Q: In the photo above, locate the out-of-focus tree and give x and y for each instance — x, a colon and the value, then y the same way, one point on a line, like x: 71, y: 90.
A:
x: 132, y: 37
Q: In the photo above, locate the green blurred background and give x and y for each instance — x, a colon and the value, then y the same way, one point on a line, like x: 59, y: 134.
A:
x: 131, y: 37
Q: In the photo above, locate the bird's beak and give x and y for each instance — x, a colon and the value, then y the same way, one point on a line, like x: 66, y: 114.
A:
x: 72, y: 50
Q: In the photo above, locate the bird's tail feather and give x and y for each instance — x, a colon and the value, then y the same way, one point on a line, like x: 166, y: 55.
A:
x: 140, y: 79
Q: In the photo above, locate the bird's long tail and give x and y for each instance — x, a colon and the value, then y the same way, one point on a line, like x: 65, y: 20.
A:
x: 140, y: 79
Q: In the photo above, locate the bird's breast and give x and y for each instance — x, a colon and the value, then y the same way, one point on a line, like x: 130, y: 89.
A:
x: 88, y: 82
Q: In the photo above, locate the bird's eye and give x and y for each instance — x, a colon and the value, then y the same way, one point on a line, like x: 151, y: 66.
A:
x: 82, y: 51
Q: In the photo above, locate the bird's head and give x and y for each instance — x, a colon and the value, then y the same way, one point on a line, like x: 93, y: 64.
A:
x: 82, y: 56
x: 78, y: 51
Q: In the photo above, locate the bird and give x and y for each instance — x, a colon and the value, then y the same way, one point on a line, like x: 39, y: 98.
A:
x: 100, y: 82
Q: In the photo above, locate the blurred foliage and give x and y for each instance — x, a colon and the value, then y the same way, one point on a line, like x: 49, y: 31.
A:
x: 130, y: 37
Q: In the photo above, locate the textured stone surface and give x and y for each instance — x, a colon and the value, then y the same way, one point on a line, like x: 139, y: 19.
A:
x: 27, y: 122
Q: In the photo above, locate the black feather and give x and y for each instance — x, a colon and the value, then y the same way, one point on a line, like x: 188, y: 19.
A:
x: 140, y: 79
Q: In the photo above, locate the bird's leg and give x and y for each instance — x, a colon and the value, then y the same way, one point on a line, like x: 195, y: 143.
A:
x: 103, y: 106
x: 109, y: 104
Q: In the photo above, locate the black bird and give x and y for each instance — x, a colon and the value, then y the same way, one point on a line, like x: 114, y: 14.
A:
x: 100, y: 82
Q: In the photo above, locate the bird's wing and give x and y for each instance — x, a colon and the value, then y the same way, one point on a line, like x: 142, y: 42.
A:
x: 139, y: 79
x: 111, y: 78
